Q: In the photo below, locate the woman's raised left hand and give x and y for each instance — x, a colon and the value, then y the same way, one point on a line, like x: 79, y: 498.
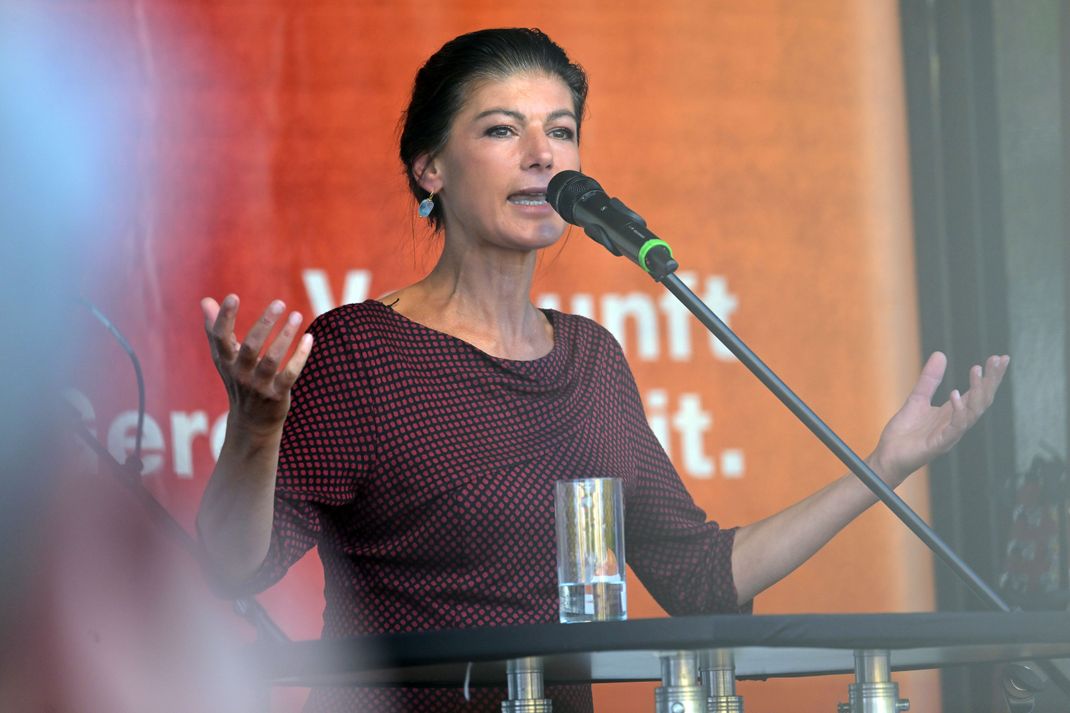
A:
x: 920, y: 432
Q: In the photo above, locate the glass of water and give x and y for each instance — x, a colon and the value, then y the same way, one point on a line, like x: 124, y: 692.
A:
x: 589, y: 515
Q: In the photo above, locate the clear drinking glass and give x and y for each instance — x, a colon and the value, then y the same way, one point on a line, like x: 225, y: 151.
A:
x: 589, y: 515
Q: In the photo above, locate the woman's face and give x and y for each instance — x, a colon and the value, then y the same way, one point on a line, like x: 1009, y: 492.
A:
x: 510, y: 137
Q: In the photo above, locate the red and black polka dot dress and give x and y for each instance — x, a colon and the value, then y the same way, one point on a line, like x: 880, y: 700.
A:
x: 424, y: 470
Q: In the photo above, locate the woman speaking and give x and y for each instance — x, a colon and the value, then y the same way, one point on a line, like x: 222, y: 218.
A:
x: 416, y: 439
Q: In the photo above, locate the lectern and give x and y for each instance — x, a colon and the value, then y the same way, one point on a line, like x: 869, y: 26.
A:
x: 696, y: 659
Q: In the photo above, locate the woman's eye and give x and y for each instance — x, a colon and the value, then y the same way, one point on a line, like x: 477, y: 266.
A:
x: 563, y: 133
x: 499, y: 132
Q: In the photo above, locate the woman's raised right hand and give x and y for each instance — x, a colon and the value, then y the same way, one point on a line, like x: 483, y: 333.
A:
x: 257, y: 382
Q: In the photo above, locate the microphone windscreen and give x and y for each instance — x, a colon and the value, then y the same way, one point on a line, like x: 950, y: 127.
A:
x: 565, y: 189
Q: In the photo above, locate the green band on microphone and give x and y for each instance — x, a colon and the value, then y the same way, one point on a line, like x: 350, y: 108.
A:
x: 647, y: 247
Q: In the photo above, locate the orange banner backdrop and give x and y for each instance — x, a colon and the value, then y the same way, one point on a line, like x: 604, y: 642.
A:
x: 765, y: 140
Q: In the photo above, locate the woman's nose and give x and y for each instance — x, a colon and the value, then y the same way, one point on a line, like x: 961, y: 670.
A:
x: 538, y: 151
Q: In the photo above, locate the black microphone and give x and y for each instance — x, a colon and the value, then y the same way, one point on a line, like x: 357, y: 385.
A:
x: 581, y: 201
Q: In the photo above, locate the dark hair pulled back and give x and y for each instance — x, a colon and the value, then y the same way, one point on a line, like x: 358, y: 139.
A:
x: 442, y: 85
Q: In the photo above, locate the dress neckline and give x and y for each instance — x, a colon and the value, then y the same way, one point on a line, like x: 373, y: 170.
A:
x: 551, y: 316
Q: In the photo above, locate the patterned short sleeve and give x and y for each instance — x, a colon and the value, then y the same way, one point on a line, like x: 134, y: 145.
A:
x: 328, y: 445
x: 683, y: 559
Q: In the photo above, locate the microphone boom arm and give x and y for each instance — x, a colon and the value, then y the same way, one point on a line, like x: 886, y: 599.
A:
x: 848, y: 457
x: 580, y: 200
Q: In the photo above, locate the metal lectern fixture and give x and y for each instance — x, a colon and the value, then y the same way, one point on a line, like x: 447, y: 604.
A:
x: 525, y: 687
x: 873, y: 690
x: 717, y: 668
x: 680, y: 691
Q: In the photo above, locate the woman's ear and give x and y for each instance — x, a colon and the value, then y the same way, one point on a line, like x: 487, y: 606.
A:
x: 428, y: 173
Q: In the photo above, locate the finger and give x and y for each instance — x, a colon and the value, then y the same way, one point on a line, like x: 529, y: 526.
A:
x: 931, y: 376
x: 285, y: 379
x: 269, y: 363
x: 225, y: 316
x: 960, y: 416
x: 210, y: 309
x: 221, y: 332
x: 258, y: 334
x: 977, y: 399
x: 995, y: 369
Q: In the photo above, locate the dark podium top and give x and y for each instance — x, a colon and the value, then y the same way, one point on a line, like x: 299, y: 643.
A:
x: 764, y: 646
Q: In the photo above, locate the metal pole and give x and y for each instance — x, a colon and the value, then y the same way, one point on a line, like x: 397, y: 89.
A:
x: 873, y: 690
x: 680, y: 691
x: 717, y: 668
x: 526, y: 693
